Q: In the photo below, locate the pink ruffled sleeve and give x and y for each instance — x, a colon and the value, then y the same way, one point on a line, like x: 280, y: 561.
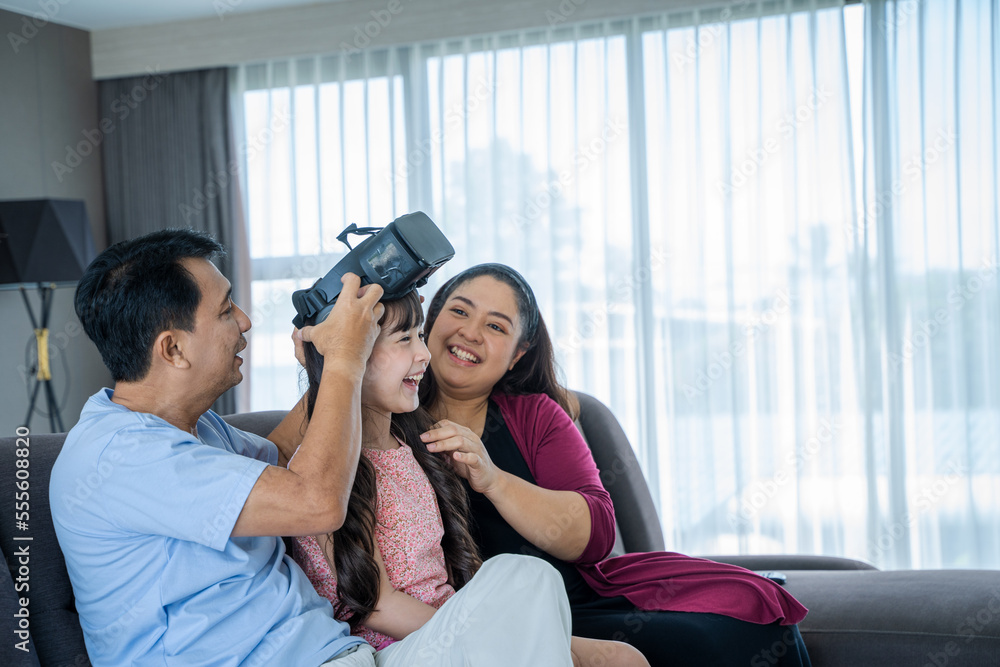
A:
x: 559, y: 459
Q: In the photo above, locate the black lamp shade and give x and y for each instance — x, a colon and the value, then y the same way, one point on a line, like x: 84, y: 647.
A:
x: 47, y: 240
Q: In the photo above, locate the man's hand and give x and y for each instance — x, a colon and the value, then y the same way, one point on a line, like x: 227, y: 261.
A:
x: 349, y: 333
x: 312, y: 495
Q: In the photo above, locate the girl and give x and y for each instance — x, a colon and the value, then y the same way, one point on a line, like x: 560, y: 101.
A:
x: 507, y: 423
x: 405, y: 547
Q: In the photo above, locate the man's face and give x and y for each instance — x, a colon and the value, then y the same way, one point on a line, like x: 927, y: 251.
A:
x: 213, y: 347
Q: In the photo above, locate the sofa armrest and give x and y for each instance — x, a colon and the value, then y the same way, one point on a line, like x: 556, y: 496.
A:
x: 871, y: 618
x: 635, y: 513
x: 793, y: 562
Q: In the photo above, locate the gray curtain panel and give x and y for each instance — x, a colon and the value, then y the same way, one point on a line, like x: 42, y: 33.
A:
x: 169, y: 161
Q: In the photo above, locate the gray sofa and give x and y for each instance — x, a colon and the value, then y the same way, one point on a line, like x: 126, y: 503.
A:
x: 858, y: 615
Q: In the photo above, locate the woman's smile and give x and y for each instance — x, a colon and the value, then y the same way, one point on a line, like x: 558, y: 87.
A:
x: 463, y: 355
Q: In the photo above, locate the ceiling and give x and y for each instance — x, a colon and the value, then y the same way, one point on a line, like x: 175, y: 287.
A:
x: 103, y: 14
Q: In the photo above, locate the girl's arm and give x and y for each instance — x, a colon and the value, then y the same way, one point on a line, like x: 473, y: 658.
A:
x: 396, y: 614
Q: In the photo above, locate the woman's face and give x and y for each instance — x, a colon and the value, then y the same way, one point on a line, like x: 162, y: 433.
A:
x: 475, y: 338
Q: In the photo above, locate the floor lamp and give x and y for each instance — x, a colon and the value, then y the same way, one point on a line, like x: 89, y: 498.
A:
x: 47, y: 242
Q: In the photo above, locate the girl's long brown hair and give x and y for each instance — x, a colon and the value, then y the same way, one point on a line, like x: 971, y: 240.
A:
x: 354, y: 543
x: 535, y: 372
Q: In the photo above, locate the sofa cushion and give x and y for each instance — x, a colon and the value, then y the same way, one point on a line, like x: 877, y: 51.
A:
x: 924, y: 618
x: 55, y: 625
x: 260, y: 423
x: 9, y: 606
x: 858, y: 616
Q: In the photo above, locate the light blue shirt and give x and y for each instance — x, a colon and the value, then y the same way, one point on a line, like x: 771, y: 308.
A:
x: 144, y: 512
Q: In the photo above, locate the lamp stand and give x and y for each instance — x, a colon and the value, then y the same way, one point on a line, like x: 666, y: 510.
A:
x: 44, y: 375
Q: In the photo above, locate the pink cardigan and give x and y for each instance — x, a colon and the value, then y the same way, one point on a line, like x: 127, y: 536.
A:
x: 559, y: 459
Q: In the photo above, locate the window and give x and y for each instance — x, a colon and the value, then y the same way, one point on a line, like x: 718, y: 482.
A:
x: 699, y: 203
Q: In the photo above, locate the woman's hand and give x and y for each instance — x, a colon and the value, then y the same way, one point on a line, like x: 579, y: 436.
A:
x: 556, y: 521
x: 469, y: 457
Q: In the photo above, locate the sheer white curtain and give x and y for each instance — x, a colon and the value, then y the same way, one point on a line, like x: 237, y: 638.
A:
x: 691, y: 195
x: 927, y: 304
x: 750, y: 172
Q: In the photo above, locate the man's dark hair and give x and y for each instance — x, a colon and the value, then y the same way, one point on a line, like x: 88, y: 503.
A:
x: 137, y: 289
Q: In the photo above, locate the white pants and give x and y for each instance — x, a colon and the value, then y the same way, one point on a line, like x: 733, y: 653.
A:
x: 513, y: 612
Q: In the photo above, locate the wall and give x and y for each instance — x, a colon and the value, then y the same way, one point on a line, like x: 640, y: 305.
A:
x: 48, y: 103
x: 232, y: 38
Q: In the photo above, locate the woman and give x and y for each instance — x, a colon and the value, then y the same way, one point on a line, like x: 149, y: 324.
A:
x: 404, y: 550
x: 534, y: 488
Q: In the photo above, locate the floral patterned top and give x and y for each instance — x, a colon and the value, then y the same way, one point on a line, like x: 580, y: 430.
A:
x: 409, y: 531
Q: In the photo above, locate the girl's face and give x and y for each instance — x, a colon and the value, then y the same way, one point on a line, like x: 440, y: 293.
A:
x: 475, y: 337
x: 398, y: 361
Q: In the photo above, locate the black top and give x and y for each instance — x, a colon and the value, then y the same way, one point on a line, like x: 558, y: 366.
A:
x: 491, y: 532
x: 677, y: 639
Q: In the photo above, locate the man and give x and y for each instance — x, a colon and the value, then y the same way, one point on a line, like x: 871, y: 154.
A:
x: 172, y: 553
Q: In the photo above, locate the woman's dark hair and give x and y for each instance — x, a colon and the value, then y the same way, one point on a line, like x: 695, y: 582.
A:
x: 135, y: 290
x: 354, y: 543
x: 535, y: 372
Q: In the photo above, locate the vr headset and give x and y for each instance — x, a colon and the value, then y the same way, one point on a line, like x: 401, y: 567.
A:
x: 400, y: 257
